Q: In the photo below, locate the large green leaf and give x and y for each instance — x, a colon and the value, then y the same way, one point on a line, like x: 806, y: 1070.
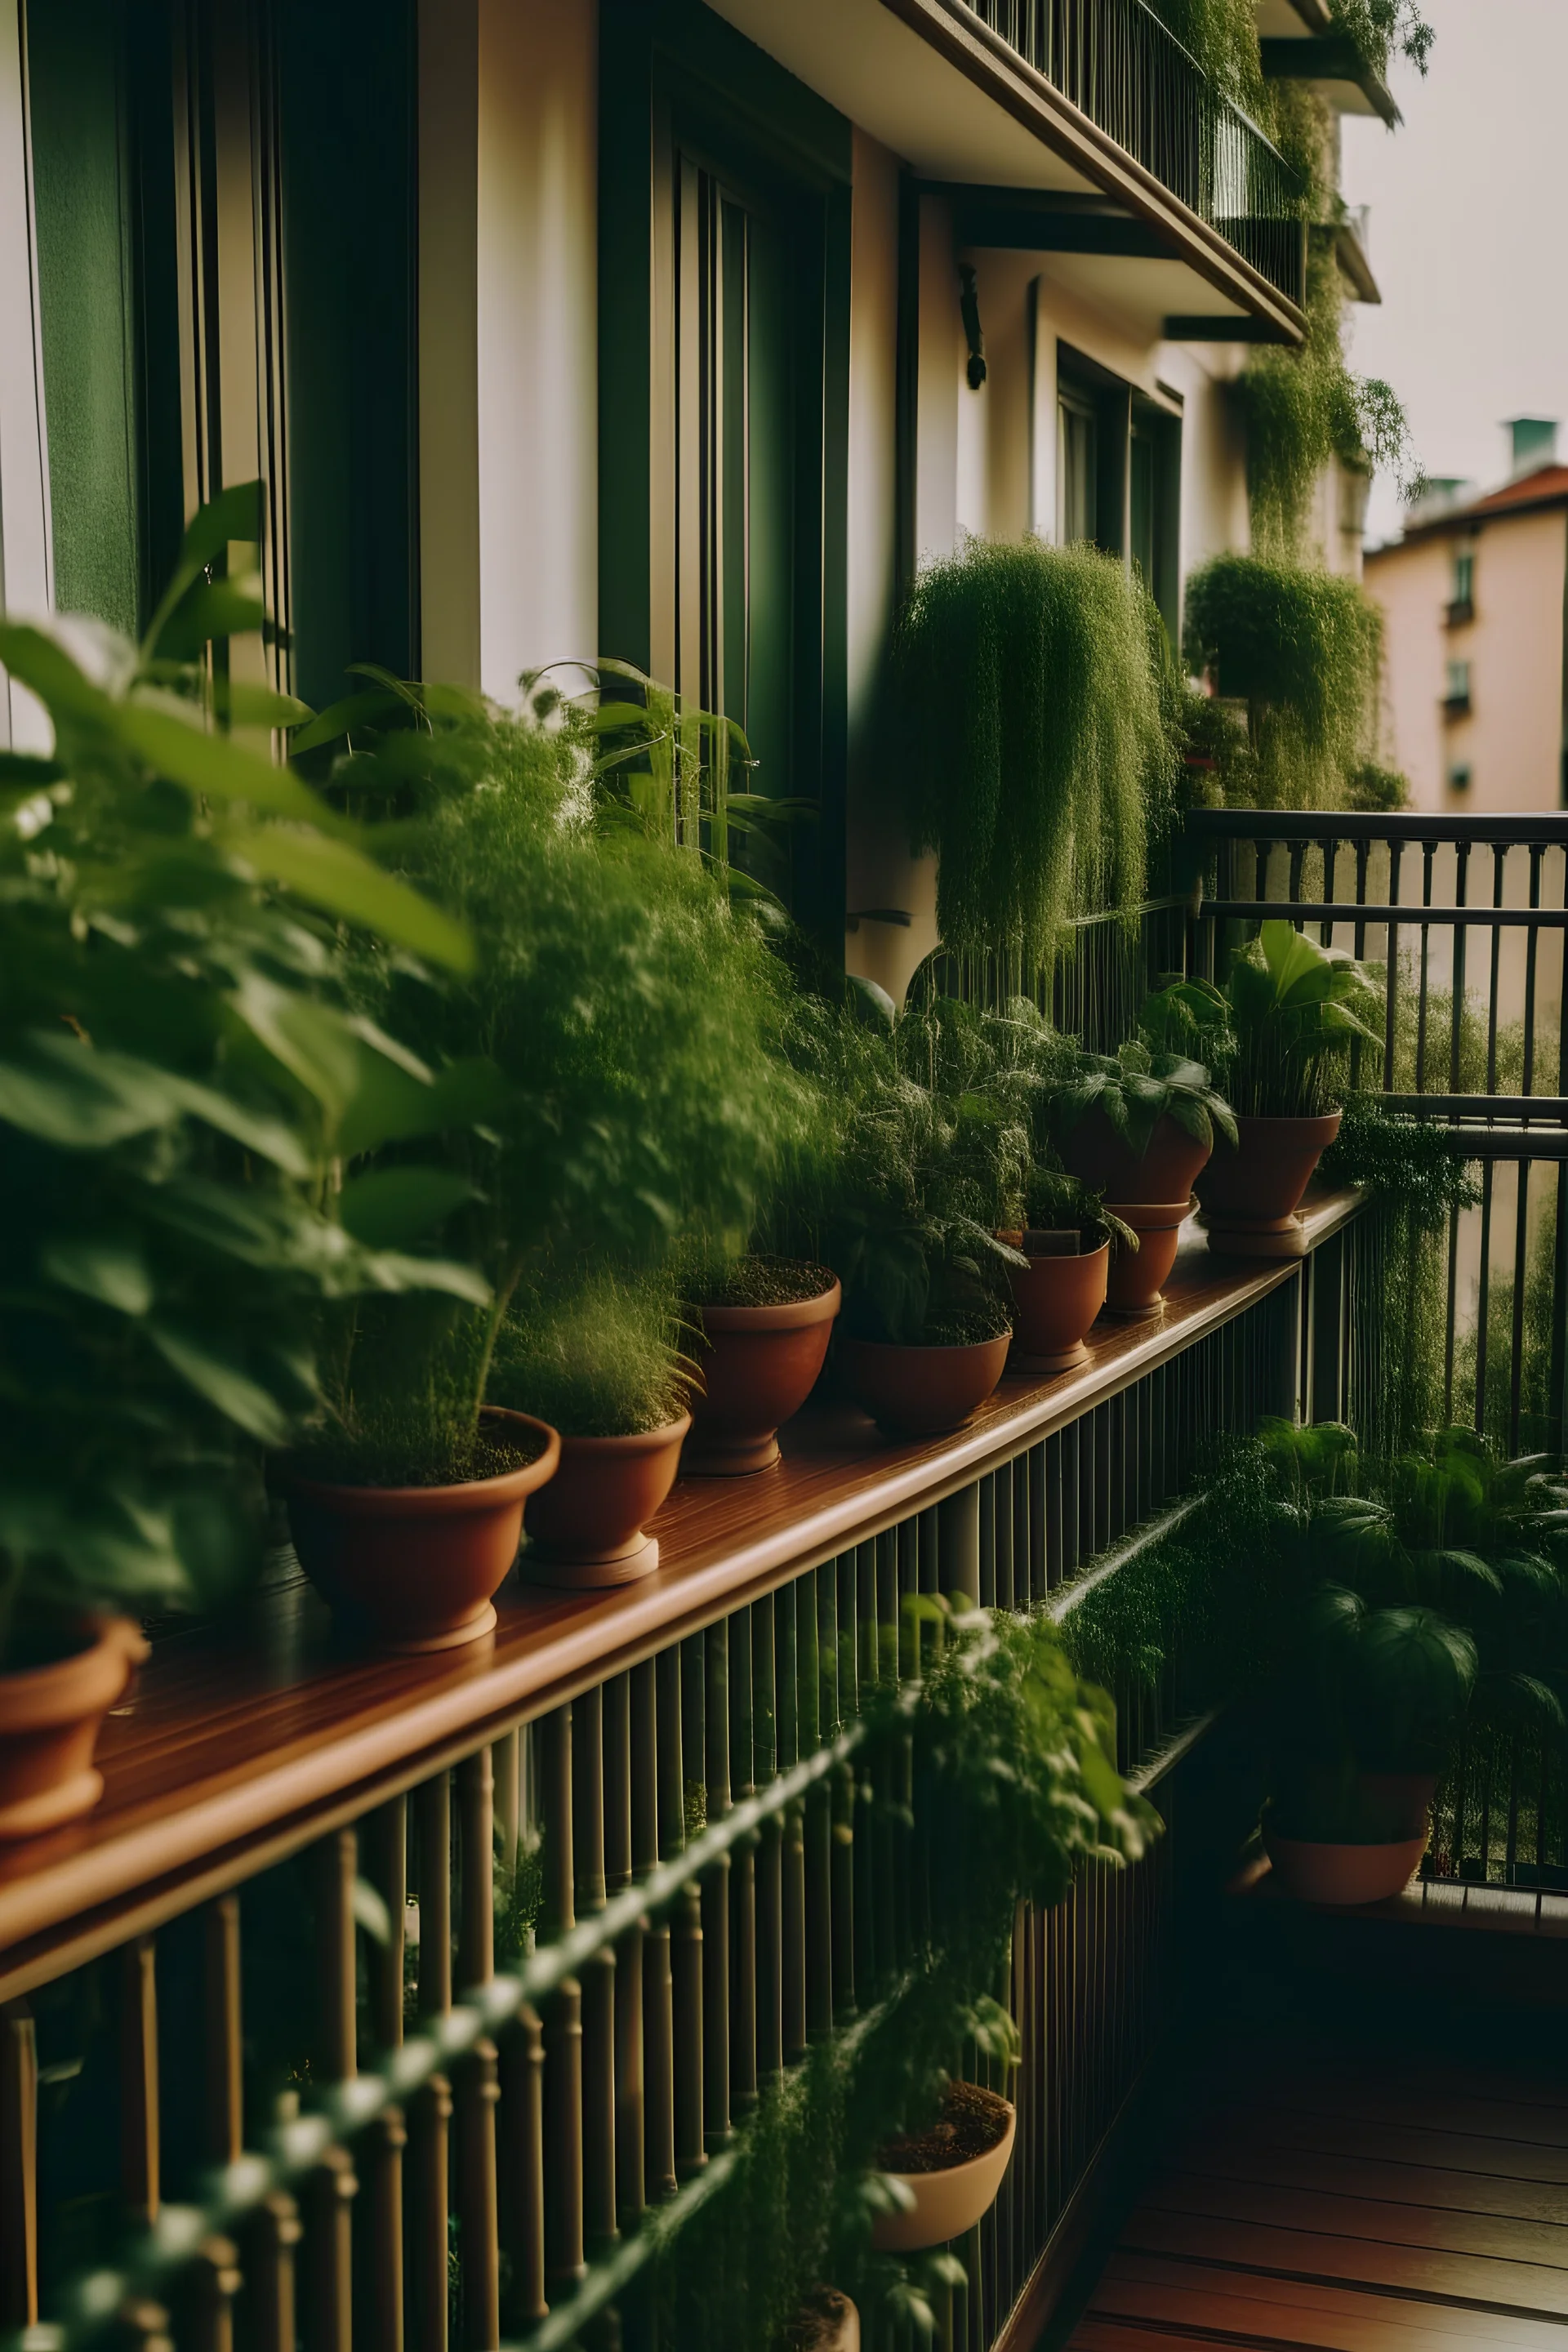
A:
x: 112, y: 1272
x: 209, y: 611
x: 222, y: 1380
x: 335, y: 877
x: 215, y: 765
x: 389, y: 1208
x: 233, y: 517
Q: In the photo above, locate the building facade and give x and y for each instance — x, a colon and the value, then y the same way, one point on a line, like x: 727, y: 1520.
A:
x: 559, y: 328
x: 1475, y: 605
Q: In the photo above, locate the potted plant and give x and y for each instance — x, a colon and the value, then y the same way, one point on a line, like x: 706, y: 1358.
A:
x: 1281, y: 1032
x: 597, y: 1357
x: 945, y: 2179
x: 922, y: 1178
x: 762, y: 1327
x: 1031, y: 739
x: 1065, y: 1244
x: 177, y: 1075
x: 1139, y: 1126
x: 617, y: 1042
x: 1436, y: 1600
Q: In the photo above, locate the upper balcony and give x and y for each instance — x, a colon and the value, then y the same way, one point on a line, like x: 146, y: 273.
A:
x: 1071, y: 98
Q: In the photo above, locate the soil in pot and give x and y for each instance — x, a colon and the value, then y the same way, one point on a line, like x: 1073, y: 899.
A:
x: 1167, y: 1171
x: 916, y: 1391
x: 51, y: 1713
x: 415, y: 1568
x: 1250, y: 1196
x: 1342, y: 1875
x: 587, y: 1527
x: 767, y: 1337
x: 953, y: 2171
x: 825, y: 2322
x: 1057, y: 1295
x: 1137, y: 1279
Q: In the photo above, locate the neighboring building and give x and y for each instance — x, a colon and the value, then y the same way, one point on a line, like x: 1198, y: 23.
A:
x: 1475, y: 602
x: 555, y: 329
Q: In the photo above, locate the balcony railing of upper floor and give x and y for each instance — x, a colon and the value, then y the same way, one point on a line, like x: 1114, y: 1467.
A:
x: 1122, y: 67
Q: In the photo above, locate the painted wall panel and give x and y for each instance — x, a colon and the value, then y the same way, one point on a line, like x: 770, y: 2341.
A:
x: 25, y: 552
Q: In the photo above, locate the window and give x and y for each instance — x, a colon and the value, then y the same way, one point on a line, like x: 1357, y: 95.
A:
x: 1459, y: 780
x: 1456, y: 692
x: 1464, y: 575
x: 1077, y: 462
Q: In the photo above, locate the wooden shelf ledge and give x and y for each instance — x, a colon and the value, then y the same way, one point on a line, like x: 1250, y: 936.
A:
x: 239, y: 1743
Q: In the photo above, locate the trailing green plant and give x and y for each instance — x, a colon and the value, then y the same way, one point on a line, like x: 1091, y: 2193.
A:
x: 1372, y: 789
x: 595, y: 1353
x: 1027, y: 730
x: 1011, y: 1759
x: 182, y: 1076
x: 1303, y: 649
x: 631, y: 1022
x: 1053, y: 1200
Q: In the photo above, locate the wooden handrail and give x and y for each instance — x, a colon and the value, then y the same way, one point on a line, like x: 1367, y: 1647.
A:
x: 240, y: 1745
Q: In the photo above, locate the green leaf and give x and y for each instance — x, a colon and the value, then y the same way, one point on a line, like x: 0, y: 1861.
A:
x: 223, y: 1381
x: 341, y: 717
x: 215, y: 765
x: 389, y: 1208
x: 209, y: 610
x: 256, y: 705
x: 233, y: 516
x: 111, y: 1273
x: 333, y: 875
x: 38, y: 662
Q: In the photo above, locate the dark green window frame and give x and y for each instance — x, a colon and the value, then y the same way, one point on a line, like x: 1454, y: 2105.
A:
x: 675, y: 78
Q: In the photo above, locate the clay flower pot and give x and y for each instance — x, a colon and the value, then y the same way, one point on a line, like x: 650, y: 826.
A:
x: 1167, y: 1171
x: 1137, y: 1279
x: 946, y: 2203
x: 916, y: 1391
x: 1057, y: 1295
x: 586, y: 1527
x: 1344, y: 1875
x: 417, y: 1568
x: 761, y: 1366
x: 50, y: 1717
x: 825, y: 2322
x: 1250, y: 1195
x: 1401, y: 1800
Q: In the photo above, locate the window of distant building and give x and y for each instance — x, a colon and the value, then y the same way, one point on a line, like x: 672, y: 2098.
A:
x: 1462, y: 587
x: 1456, y: 692
x: 1459, y: 780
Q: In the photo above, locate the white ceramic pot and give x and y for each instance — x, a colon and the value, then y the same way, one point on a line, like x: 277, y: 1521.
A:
x: 947, y: 2203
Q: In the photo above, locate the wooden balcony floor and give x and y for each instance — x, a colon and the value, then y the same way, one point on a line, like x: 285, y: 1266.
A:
x: 1393, y: 2205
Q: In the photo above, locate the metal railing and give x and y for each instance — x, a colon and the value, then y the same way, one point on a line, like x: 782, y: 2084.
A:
x: 1119, y: 65
x: 1467, y: 917
x: 457, y: 2070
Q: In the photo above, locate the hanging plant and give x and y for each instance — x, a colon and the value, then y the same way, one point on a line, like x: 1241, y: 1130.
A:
x: 1303, y: 649
x: 1032, y: 739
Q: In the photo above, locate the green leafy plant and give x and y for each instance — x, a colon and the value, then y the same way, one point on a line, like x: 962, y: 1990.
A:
x: 626, y: 1022
x: 1136, y: 1088
x: 1028, y: 730
x: 1303, y: 649
x: 182, y: 1073
x: 1280, y: 1031
x: 596, y: 1356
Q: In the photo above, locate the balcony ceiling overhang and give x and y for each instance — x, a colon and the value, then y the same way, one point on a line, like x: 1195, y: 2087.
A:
x: 934, y: 84
x: 1104, y: 255
x: 1300, y: 44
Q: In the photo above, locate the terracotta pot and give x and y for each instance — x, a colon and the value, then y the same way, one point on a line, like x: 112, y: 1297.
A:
x: 1250, y: 1195
x: 50, y: 1717
x: 1057, y: 1298
x: 586, y: 1527
x: 917, y: 1391
x: 1138, y: 1277
x: 826, y: 2322
x: 1402, y: 1800
x: 946, y: 2203
x: 1167, y: 1171
x: 761, y: 1366
x: 417, y: 1568
x: 1342, y: 1875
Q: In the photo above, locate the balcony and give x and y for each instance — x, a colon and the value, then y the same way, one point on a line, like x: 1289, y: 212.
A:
x: 540, y: 1926
x: 1083, y: 99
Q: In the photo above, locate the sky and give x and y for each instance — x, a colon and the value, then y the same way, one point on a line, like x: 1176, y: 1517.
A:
x: 1468, y: 237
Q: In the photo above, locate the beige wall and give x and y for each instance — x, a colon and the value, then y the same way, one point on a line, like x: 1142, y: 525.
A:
x: 508, y: 333
x: 1512, y: 740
